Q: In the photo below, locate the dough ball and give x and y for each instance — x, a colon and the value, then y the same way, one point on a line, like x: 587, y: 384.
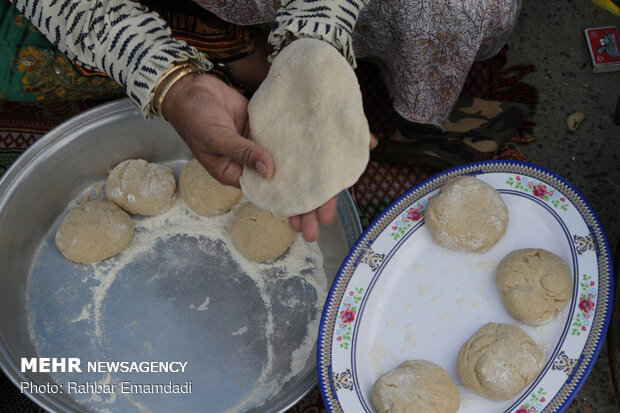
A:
x: 466, y: 215
x: 415, y: 386
x: 308, y: 115
x: 533, y: 284
x: 498, y: 361
x: 258, y: 234
x: 203, y: 193
x: 94, y: 231
x: 140, y: 187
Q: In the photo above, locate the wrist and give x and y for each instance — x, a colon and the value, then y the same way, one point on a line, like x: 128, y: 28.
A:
x: 171, y: 80
x: 178, y: 94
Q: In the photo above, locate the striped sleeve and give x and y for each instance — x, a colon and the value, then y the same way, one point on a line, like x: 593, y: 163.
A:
x: 122, y: 38
x: 329, y: 20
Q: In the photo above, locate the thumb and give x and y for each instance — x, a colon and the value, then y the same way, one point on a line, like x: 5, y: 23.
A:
x: 248, y: 152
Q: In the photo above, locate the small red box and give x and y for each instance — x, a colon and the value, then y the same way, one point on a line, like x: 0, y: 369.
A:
x: 604, y: 48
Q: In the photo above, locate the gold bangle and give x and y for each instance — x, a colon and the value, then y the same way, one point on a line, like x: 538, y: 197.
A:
x: 170, y: 72
x: 162, y: 80
x: 165, y: 84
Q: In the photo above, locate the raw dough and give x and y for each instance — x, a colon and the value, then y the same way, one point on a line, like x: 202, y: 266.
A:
x: 94, y: 231
x: 498, y: 361
x: 466, y: 215
x: 203, y: 193
x: 258, y: 234
x: 140, y: 187
x: 415, y: 386
x: 533, y: 284
x: 308, y: 115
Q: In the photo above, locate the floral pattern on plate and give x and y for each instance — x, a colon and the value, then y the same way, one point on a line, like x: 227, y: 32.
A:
x: 348, y: 309
x: 539, y: 190
x: 358, y: 333
x: 586, y: 304
x: 535, y: 402
x: 406, y: 220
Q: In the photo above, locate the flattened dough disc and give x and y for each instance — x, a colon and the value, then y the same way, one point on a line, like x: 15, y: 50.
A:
x: 308, y: 114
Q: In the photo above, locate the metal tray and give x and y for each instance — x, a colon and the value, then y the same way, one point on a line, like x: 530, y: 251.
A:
x: 43, y: 297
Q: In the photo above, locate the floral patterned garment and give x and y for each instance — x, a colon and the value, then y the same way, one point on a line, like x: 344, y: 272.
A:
x: 34, y: 70
x: 424, y: 48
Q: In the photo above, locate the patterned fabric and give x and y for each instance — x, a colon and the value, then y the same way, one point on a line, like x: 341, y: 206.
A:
x: 38, y: 71
x: 475, y: 131
x: 426, y: 48
x: 35, y: 70
x: 218, y: 40
x: 21, y: 124
x: 121, y: 38
x: 135, y: 46
x: 329, y: 20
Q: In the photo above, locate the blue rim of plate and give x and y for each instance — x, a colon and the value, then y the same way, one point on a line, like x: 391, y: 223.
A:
x: 330, y: 382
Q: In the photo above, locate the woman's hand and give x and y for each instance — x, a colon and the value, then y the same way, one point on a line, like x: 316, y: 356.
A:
x: 309, y: 223
x: 212, y: 119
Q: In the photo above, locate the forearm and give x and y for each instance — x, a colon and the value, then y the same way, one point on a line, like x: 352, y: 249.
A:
x: 329, y: 20
x: 121, y: 38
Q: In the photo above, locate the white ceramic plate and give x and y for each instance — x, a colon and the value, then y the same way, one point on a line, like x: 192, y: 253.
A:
x: 400, y: 296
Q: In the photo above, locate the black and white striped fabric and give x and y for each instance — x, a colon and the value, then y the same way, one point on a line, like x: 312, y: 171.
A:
x: 329, y: 20
x: 135, y: 46
x: 122, y: 38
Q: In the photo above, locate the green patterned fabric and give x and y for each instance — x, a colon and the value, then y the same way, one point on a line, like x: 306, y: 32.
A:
x: 15, y: 33
x: 38, y: 72
x: 35, y: 70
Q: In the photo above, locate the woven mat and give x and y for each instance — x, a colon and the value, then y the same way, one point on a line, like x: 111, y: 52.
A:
x: 21, y: 124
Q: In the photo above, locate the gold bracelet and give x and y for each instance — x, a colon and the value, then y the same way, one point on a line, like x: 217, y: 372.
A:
x: 162, y: 80
x: 170, y: 72
x: 165, y: 84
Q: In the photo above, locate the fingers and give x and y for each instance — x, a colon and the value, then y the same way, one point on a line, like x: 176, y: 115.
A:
x: 310, y: 226
x: 227, y: 157
x: 327, y: 212
x: 295, y: 223
x: 307, y: 224
x: 246, y: 152
x: 214, y: 131
x: 223, y: 168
